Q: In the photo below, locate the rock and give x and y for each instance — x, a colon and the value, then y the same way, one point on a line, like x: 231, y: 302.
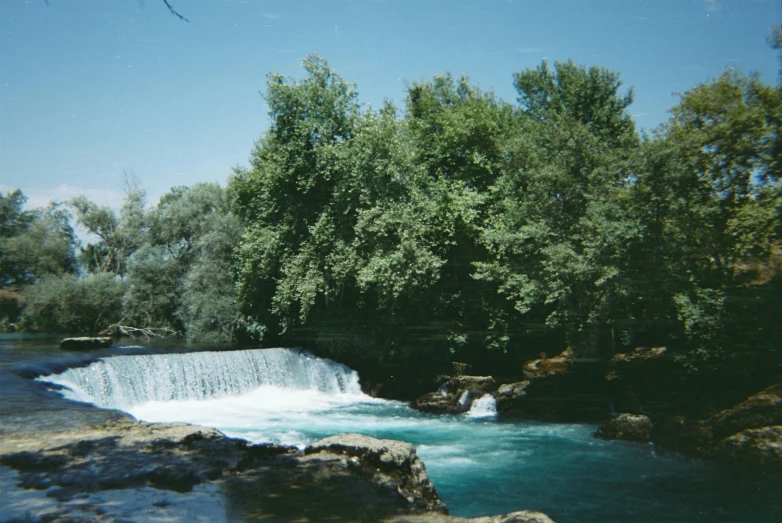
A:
x: 437, y: 403
x: 146, y: 467
x: 387, y: 462
x: 760, y: 446
x: 460, y: 369
x: 649, y: 380
x: 544, y: 366
x: 760, y: 410
x: 85, y: 343
x: 683, y: 434
x: 640, y: 356
x: 512, y: 390
x: 561, y: 388
x: 630, y: 427
x: 455, y: 395
x: 459, y: 384
x: 522, y: 516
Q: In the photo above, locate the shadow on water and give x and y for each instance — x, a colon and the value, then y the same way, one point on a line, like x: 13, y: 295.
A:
x: 302, y: 495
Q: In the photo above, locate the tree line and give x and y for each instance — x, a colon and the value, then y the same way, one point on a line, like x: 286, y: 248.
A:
x: 460, y: 227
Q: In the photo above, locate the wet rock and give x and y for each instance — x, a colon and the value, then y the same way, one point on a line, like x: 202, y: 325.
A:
x: 85, y: 343
x: 522, y: 516
x: 749, y: 432
x: 759, y: 410
x: 649, y: 380
x: 543, y: 366
x: 106, y: 472
x: 560, y: 388
x: 455, y: 395
x: 390, y: 463
x: 760, y: 446
x: 512, y: 391
x: 629, y: 427
x: 683, y: 434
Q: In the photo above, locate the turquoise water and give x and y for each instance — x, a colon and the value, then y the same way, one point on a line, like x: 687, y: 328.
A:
x: 480, y: 465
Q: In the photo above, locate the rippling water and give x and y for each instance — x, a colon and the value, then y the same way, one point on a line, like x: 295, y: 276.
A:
x: 480, y: 465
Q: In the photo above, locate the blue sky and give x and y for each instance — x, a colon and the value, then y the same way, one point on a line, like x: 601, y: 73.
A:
x: 90, y: 89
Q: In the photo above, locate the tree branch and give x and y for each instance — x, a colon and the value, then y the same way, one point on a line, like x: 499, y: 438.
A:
x: 174, y: 11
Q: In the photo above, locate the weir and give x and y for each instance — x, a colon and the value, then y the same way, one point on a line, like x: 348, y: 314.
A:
x: 479, y: 463
x: 122, y: 382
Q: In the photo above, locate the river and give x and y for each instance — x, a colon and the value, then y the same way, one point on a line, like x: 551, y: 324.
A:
x: 480, y: 463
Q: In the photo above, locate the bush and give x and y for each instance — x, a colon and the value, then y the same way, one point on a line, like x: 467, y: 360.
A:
x: 73, y: 304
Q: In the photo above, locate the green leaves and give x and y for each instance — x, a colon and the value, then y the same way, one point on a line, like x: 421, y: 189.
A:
x: 589, y: 97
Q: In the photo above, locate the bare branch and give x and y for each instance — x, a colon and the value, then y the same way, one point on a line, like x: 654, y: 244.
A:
x: 174, y: 11
x: 118, y: 329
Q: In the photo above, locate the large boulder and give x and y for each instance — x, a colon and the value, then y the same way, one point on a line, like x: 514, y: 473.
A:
x: 759, y: 410
x: 391, y: 464
x: 630, y: 427
x: 748, y: 432
x: 760, y: 446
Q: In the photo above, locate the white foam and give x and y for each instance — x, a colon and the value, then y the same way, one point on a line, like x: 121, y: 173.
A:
x: 483, y: 407
x: 125, y: 382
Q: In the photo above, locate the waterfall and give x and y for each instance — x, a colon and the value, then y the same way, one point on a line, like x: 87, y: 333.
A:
x: 121, y: 382
x: 483, y: 407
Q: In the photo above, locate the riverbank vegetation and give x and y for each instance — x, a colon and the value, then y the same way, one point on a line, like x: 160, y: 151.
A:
x: 460, y: 227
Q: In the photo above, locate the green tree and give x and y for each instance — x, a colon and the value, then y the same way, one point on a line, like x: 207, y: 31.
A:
x: 182, y: 275
x: 118, y: 235
x: 557, y: 241
x: 708, y: 198
x: 34, y: 243
x: 67, y: 303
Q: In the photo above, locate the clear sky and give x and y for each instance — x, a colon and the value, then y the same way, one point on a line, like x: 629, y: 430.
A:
x: 90, y: 89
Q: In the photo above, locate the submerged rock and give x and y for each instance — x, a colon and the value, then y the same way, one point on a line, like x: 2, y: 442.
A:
x: 85, y: 343
x: 630, y: 427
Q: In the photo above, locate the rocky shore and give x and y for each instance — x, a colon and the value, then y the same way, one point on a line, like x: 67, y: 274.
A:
x: 645, y: 384
x: 124, y: 470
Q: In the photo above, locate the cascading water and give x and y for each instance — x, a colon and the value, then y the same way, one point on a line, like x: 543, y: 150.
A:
x: 479, y: 463
x: 483, y: 407
x: 123, y: 382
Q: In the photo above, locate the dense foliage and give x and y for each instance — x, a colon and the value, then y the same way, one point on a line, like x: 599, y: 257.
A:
x: 475, y: 230
x: 461, y: 227
x: 169, y: 266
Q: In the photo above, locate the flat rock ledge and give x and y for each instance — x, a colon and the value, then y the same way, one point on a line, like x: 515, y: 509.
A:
x: 105, y: 472
x: 86, y: 343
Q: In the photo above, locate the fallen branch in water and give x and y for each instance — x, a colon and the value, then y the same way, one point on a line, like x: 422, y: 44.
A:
x: 118, y: 329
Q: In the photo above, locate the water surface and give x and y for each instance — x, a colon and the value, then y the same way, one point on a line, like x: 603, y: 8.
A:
x: 481, y: 465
